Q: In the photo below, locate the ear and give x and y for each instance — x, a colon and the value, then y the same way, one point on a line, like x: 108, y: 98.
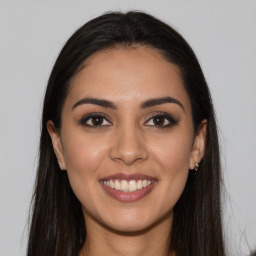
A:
x: 56, y: 143
x: 199, y: 143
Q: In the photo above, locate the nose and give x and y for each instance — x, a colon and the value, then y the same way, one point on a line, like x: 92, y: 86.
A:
x: 128, y: 147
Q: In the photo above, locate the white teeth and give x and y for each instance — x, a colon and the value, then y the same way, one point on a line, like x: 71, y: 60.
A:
x: 124, y: 185
x: 117, y: 185
x: 132, y: 186
x: 139, y: 184
x: 144, y: 183
x: 112, y: 184
x: 127, y: 186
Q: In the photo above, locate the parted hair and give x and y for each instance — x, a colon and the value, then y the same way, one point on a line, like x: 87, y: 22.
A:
x: 57, y: 225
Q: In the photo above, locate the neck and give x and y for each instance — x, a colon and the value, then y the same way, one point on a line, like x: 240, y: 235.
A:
x: 101, y: 241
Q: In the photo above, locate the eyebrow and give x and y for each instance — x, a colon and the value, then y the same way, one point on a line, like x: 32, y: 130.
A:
x: 147, y: 104
x: 158, y: 101
x: 95, y: 101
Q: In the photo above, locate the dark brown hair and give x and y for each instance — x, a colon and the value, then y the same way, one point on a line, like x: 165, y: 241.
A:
x: 57, y: 225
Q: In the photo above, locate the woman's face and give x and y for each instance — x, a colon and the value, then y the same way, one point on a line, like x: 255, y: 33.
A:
x: 127, y: 139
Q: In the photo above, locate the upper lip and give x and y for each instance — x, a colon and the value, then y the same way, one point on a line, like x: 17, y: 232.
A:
x: 132, y: 176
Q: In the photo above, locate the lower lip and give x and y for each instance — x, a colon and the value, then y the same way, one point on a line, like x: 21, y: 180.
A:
x: 128, y: 196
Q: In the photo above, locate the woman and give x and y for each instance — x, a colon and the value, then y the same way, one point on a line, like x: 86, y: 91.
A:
x: 129, y: 156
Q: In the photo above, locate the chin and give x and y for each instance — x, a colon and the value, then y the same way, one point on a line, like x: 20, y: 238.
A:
x: 132, y: 222
x: 128, y: 227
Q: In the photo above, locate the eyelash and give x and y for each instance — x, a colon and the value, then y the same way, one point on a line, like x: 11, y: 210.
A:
x: 171, y: 121
x: 166, y: 116
x: 91, y: 116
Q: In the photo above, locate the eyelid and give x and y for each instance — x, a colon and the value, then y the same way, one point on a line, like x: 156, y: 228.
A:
x: 87, y: 117
x: 172, y: 121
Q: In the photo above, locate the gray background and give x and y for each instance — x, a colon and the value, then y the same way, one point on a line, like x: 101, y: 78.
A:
x: 223, y: 35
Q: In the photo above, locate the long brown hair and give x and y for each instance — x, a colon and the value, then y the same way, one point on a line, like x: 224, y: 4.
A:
x: 57, y: 225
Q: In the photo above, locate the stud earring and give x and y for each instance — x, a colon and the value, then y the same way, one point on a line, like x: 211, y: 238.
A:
x: 196, y: 166
x: 60, y: 165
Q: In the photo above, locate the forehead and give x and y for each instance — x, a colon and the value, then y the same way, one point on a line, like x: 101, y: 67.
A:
x: 128, y: 75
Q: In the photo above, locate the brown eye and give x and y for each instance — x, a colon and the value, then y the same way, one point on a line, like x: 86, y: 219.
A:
x: 95, y: 121
x: 161, y: 121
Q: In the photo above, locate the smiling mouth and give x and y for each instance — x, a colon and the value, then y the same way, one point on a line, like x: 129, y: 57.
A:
x: 128, y: 188
x: 127, y: 185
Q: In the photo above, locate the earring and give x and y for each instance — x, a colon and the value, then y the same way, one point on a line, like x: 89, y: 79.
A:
x: 60, y: 165
x: 196, y: 166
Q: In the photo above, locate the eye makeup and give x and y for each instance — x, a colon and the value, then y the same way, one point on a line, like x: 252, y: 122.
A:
x: 156, y: 120
x: 95, y: 120
x: 161, y: 120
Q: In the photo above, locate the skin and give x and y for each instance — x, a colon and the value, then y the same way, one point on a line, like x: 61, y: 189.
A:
x: 128, y: 141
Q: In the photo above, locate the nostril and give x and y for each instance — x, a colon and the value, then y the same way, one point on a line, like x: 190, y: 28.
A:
x: 128, y: 146
x: 128, y: 156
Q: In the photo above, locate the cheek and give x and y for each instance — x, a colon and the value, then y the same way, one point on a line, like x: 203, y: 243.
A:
x: 173, y: 152
x: 82, y: 150
x: 172, y: 156
x: 83, y: 156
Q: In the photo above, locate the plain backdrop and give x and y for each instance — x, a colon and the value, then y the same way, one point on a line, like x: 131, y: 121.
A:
x: 222, y: 34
